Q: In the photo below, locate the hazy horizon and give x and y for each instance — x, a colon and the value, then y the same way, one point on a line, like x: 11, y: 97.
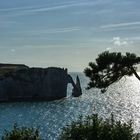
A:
x: 67, y: 34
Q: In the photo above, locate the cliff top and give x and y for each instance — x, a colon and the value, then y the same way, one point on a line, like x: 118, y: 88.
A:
x: 9, y: 68
x: 6, y: 68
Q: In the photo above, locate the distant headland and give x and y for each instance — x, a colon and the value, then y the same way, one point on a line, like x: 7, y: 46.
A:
x: 19, y: 82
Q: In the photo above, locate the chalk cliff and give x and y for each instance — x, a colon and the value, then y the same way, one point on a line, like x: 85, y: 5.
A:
x: 21, y: 83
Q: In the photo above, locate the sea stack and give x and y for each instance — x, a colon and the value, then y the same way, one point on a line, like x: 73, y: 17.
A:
x: 77, y: 91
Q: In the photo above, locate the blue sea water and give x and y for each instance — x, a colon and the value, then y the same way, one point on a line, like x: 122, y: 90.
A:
x: 122, y: 99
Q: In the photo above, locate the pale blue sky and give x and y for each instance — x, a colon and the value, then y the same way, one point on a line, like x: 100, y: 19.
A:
x: 66, y: 33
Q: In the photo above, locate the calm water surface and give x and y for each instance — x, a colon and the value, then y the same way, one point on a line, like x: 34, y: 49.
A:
x: 121, y: 99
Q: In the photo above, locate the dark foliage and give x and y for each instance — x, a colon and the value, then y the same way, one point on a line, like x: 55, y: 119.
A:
x: 21, y: 133
x: 110, y: 68
x: 94, y: 128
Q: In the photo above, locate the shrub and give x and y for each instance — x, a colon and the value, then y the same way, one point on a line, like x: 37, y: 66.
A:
x: 94, y: 128
x: 21, y: 133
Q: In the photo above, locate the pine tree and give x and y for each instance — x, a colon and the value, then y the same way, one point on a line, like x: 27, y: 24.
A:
x: 110, y: 68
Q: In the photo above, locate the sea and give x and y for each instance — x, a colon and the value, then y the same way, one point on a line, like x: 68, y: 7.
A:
x: 122, y: 99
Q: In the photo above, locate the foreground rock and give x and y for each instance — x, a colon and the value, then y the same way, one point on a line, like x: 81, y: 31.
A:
x: 21, y: 83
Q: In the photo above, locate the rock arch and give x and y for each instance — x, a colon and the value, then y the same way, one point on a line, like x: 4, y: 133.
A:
x: 21, y: 83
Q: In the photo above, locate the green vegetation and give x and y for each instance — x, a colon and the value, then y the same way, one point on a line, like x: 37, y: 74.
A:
x: 89, y: 128
x: 10, y: 68
x: 21, y: 133
x: 4, y: 71
x: 94, y: 128
x: 110, y: 68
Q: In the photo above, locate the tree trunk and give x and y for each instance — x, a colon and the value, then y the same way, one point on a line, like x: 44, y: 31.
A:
x: 135, y: 73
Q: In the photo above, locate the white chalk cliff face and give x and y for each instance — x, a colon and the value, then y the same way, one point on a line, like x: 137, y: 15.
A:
x: 21, y: 83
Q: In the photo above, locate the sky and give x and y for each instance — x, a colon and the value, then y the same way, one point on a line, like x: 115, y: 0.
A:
x: 64, y: 33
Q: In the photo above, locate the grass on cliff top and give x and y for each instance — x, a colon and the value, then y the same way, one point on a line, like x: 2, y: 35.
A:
x: 4, y: 71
